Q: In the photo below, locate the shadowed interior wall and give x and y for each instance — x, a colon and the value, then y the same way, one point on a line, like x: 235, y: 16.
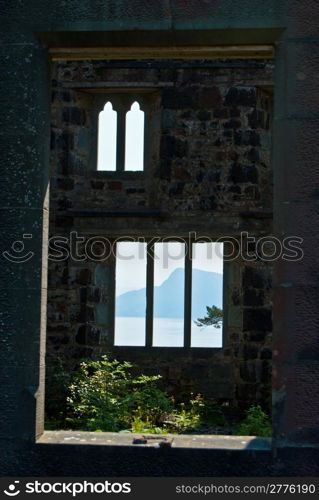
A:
x: 208, y: 171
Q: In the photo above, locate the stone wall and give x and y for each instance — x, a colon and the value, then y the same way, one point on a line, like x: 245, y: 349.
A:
x: 208, y: 171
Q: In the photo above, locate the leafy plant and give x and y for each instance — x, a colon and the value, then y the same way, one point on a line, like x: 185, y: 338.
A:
x: 256, y: 423
x: 197, y: 414
x: 210, y: 411
x: 144, y: 426
x: 105, y: 396
x: 214, y: 316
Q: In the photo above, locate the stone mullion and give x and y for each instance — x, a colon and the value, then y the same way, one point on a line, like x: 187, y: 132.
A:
x: 120, y: 138
x: 188, y: 296
x: 149, y: 294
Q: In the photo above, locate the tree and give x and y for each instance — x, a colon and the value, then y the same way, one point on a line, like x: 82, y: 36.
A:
x: 214, y: 316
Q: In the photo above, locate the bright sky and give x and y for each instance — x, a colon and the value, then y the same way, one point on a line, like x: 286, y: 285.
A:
x: 134, y: 139
x: 131, y: 262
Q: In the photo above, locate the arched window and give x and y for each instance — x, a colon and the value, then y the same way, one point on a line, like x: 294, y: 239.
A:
x: 107, y: 133
x: 134, y: 138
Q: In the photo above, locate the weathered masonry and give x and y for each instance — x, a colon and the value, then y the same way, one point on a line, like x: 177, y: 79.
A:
x: 207, y: 173
x: 36, y: 33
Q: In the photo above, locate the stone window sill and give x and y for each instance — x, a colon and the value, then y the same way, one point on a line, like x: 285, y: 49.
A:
x: 205, y: 441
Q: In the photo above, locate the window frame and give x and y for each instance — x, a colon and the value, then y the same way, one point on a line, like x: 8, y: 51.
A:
x: 186, y: 347
x: 122, y: 100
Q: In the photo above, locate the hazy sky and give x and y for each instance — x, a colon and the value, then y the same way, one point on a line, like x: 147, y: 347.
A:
x: 106, y: 158
x: 131, y: 262
x: 134, y: 138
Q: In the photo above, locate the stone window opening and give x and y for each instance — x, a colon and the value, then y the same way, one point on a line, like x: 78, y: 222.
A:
x: 134, y: 138
x: 207, y: 170
x: 162, y: 289
x: 121, y: 131
x: 107, y: 134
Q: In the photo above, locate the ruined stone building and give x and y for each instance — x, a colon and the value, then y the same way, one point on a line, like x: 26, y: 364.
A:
x: 229, y: 96
x: 207, y: 172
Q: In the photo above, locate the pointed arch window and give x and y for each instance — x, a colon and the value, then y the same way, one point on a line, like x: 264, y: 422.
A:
x: 134, y: 138
x: 107, y: 133
x: 121, y: 135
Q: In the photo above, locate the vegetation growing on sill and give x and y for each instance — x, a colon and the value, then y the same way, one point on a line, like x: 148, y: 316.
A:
x: 104, y: 396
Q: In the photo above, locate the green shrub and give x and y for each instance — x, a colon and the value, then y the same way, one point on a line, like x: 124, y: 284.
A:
x: 256, y: 423
x: 105, y: 396
x: 210, y: 411
x: 145, y: 425
x: 184, y: 418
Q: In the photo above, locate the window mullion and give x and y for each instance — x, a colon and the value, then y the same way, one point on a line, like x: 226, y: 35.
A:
x: 149, y: 294
x: 120, y: 141
x: 113, y: 299
x: 188, y: 296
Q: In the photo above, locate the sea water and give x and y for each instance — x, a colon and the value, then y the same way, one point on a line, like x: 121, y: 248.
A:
x: 167, y: 332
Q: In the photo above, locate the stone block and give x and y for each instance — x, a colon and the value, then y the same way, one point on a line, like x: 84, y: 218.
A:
x: 102, y: 275
x: 246, y: 395
x: 266, y: 353
x: 65, y: 183
x: 210, y: 98
x: 20, y: 341
x: 103, y: 314
x: 235, y: 317
x: 302, y: 92
x: 255, y: 336
x: 80, y: 337
x: 223, y: 371
x: 296, y: 150
x: 222, y: 390
x: 73, y: 115
x: 115, y: 185
x: 248, y: 371
x: 234, y: 124
x: 173, y: 98
x: 298, y: 420
x: 240, y: 96
x: 257, y: 319
x: 256, y: 118
x: 302, y: 20
x: 256, y: 277
x: 85, y: 276
x: 252, y: 155
x: 94, y: 294
x: 253, y: 297
x: 173, y: 147
x: 24, y: 174
x: 296, y: 323
x: 93, y: 336
x: 249, y: 351
x: 18, y: 404
x: 21, y: 248
x: 62, y: 140
x: 246, y: 138
x: 243, y: 173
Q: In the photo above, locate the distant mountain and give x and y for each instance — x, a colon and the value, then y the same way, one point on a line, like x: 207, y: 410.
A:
x: 169, y: 296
